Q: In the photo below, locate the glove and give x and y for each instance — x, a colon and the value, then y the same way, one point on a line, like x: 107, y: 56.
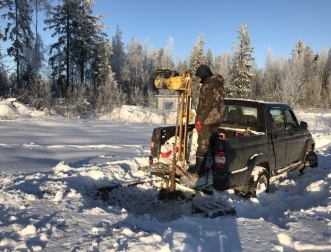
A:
x: 198, y: 125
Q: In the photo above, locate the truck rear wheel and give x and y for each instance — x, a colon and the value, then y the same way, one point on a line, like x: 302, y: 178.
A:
x: 259, y: 181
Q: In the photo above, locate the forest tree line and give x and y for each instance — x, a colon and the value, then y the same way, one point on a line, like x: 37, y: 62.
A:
x: 85, y: 69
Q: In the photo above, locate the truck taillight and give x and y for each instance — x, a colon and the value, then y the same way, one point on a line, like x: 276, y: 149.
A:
x: 152, y: 144
x: 220, y: 159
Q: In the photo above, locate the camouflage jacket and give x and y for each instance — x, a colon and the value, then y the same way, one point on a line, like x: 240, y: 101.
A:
x: 211, y: 97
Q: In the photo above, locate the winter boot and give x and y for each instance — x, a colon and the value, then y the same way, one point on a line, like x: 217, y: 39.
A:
x: 200, y: 165
x: 196, y: 169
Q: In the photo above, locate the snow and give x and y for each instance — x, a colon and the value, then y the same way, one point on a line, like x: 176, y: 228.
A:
x: 60, y: 190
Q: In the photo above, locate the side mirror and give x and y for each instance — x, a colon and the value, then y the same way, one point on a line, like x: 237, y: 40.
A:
x: 303, y: 125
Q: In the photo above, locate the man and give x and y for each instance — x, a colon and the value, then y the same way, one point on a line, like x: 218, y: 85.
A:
x: 208, y: 118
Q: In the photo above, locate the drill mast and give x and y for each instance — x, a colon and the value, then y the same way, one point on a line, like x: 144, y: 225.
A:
x: 166, y: 79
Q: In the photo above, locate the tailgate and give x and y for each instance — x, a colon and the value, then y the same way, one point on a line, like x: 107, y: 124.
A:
x: 161, y: 135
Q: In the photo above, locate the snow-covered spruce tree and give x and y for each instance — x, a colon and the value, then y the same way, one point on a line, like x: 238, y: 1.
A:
x: 196, y: 59
x: 242, y: 64
x: 197, y: 55
x: 117, y: 61
x: 18, y: 31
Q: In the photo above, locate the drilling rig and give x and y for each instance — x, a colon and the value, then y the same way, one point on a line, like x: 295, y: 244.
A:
x: 171, y: 80
x: 182, y: 84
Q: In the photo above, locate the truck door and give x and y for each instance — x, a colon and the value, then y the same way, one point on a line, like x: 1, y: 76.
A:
x: 296, y: 136
x: 279, y: 136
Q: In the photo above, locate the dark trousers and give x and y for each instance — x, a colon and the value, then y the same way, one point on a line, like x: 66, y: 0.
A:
x: 206, y: 139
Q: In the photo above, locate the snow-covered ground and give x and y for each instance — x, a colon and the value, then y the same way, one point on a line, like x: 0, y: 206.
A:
x: 59, y: 191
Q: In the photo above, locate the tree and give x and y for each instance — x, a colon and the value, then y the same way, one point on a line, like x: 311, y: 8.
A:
x: 63, y: 20
x: 291, y: 88
x: 268, y: 76
x: 321, y: 69
x: 133, y: 69
x: 222, y: 65
x: 1, y: 36
x: 149, y: 73
x: 257, y: 85
x: 79, y: 34
x: 196, y: 59
x: 303, y: 60
x: 105, y: 72
x: 326, y: 88
x: 197, y: 55
x: 117, y: 61
x: 39, y: 5
x: 182, y: 67
x: 242, y: 76
x: 209, y: 59
x: 166, y: 59
x: 272, y: 76
x: 18, y: 30
x: 4, y: 80
x: 159, y: 57
x: 105, y: 95
x: 88, y: 35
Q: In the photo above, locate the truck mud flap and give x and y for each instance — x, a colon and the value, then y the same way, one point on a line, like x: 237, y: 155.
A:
x: 212, y: 208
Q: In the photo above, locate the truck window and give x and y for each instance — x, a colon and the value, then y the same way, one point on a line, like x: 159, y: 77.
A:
x: 276, y: 118
x: 241, y: 116
x: 291, y: 122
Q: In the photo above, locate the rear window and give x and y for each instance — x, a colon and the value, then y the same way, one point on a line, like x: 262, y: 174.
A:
x: 242, y: 116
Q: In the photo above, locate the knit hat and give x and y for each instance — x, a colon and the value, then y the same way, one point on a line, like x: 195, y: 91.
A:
x: 203, y: 72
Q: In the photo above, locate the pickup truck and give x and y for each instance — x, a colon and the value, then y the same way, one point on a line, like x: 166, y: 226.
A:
x: 257, y: 140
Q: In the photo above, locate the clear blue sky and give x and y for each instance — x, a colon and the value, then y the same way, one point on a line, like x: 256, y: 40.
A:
x: 279, y: 24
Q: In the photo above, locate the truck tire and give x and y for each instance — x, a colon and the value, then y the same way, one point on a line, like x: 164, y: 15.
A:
x: 311, y: 160
x: 259, y: 181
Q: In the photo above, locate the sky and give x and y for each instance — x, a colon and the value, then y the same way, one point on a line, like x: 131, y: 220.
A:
x: 278, y: 24
x: 275, y: 24
x: 56, y: 176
